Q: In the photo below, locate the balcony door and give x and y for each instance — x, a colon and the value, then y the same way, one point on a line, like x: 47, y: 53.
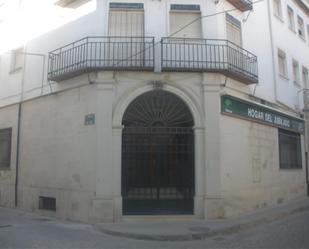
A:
x: 186, y: 42
x: 126, y: 31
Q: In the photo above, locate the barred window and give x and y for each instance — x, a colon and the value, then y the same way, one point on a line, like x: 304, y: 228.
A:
x: 289, y: 150
x: 5, y: 147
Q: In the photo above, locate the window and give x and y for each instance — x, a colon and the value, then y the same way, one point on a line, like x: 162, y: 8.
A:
x: 305, y: 77
x: 126, y: 19
x: 308, y: 33
x: 47, y: 203
x: 289, y: 150
x: 5, y: 148
x: 291, y: 18
x: 301, y: 28
x: 282, y: 64
x: 181, y: 15
x: 233, y: 30
x: 17, y: 59
x: 296, y: 77
x: 277, y: 8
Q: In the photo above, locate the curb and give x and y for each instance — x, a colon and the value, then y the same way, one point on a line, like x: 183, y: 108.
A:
x: 207, y: 232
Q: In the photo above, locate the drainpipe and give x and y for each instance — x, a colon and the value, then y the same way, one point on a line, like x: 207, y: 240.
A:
x: 17, y: 153
x: 19, y: 126
x: 306, y: 153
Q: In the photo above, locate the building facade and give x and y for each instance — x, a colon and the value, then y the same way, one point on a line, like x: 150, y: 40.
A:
x: 122, y: 108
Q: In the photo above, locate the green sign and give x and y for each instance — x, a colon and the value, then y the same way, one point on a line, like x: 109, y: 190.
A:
x: 243, y: 109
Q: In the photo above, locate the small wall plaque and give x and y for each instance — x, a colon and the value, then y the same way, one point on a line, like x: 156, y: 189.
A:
x: 90, y: 119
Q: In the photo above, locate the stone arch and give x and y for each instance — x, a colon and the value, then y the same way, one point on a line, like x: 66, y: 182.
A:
x: 128, y: 97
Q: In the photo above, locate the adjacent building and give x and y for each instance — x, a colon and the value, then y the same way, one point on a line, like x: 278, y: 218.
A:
x: 112, y: 109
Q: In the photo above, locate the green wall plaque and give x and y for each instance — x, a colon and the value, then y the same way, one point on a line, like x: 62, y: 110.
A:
x: 233, y: 106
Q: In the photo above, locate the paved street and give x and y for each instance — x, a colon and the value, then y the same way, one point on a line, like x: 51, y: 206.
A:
x: 24, y: 230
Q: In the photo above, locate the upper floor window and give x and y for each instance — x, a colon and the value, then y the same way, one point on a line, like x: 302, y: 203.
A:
x: 5, y: 148
x: 305, y: 77
x: 291, y: 18
x: 296, y: 77
x: 17, y: 59
x: 277, y: 8
x: 301, y: 27
x: 126, y: 19
x: 233, y: 30
x: 183, y: 14
x: 308, y: 33
x: 282, y: 65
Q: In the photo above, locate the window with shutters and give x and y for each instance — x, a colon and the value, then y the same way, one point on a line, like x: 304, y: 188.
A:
x: 126, y: 19
x: 296, y: 77
x: 233, y: 30
x: 308, y: 32
x: 305, y: 77
x: 5, y: 148
x: 277, y: 8
x: 291, y: 18
x: 182, y: 15
x: 17, y: 60
x: 282, y: 65
x: 301, y: 27
x: 289, y: 150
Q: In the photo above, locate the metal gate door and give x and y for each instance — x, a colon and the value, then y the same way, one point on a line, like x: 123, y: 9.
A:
x: 157, y: 155
x: 158, y: 172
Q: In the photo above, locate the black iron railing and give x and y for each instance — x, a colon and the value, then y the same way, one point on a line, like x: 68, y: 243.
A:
x: 101, y: 53
x: 222, y: 56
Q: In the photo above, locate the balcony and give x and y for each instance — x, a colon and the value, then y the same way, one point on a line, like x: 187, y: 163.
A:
x: 217, y: 56
x: 242, y: 5
x: 101, y: 53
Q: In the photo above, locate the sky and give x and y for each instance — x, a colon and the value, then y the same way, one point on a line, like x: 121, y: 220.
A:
x: 24, y: 20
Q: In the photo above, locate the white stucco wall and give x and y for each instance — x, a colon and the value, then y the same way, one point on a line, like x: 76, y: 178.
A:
x: 251, y: 175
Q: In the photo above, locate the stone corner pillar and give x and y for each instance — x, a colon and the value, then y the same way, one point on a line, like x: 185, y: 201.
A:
x: 212, y: 88
x: 103, y: 203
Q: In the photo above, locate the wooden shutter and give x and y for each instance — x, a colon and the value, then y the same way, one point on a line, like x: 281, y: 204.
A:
x: 233, y: 30
x: 126, y: 22
x: 180, y: 19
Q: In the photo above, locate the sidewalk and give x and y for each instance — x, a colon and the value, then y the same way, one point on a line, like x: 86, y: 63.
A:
x: 187, y: 230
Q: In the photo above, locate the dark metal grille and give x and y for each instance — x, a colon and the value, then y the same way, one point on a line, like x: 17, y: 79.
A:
x: 101, y: 53
x: 47, y: 203
x: 157, y: 159
x: 289, y: 150
x: 5, y: 147
x: 222, y: 56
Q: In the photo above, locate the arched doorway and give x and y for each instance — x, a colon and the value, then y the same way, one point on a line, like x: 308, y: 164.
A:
x: 157, y: 156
